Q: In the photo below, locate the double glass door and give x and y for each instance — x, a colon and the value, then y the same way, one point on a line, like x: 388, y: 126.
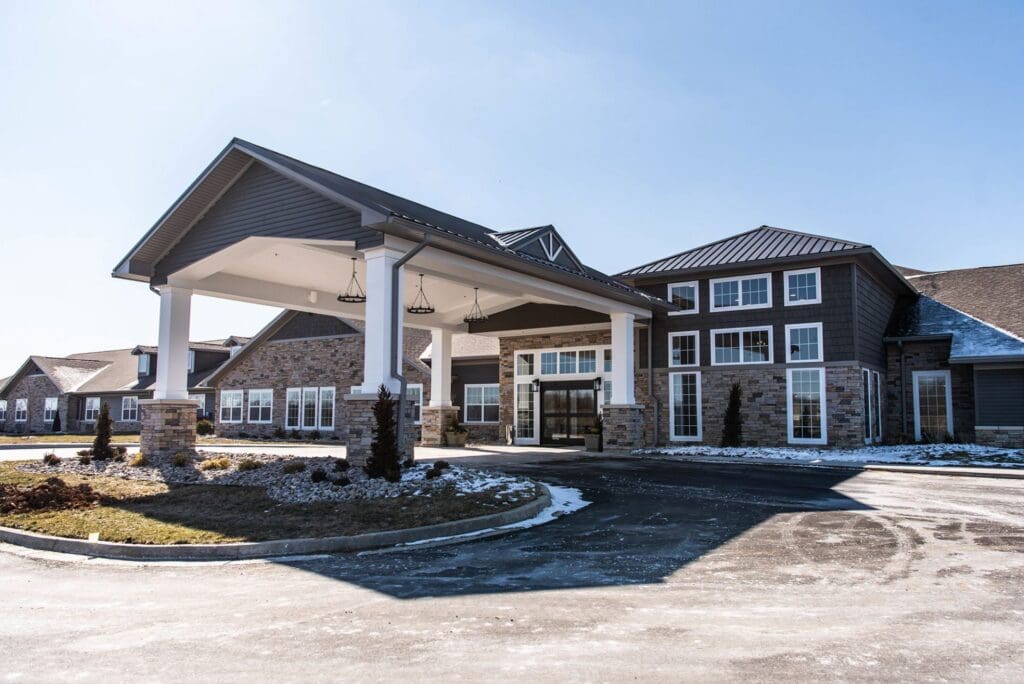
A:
x: 568, y: 411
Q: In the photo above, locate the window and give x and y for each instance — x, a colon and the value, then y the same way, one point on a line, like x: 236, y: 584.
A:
x: 3, y: 410
x: 524, y: 364
x: 607, y: 360
x: 806, y: 405
x: 200, y: 400
x: 524, y: 410
x: 803, y: 342
x: 549, y: 363
x: 588, y: 361
x: 606, y: 389
x: 20, y: 410
x: 683, y: 349
x: 143, y: 364
x: 684, y: 295
x: 684, y: 406
x: 741, y: 345
x: 567, y: 362
x: 191, y: 361
x: 933, y: 405
x: 878, y: 406
x: 802, y: 287
x: 92, y: 409
x: 872, y: 406
x: 231, y: 406
x: 748, y: 292
x: 291, y: 411
x: 866, y: 393
x: 49, y: 409
x: 327, y: 408
x: 414, y: 395
x: 481, y: 404
x: 309, y: 408
x: 261, y: 405
x: 129, y: 408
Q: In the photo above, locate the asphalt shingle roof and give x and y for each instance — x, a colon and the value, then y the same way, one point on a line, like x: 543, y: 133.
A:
x: 991, y: 293
x: 971, y: 338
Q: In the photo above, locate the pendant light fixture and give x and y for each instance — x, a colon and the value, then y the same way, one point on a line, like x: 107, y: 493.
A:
x: 421, y: 305
x: 476, y: 314
x: 355, y: 293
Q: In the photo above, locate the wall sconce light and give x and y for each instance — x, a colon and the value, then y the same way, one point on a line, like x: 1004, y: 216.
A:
x: 597, y: 384
x: 536, y: 384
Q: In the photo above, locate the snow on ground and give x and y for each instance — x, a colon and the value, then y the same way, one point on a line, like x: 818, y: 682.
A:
x: 907, y: 454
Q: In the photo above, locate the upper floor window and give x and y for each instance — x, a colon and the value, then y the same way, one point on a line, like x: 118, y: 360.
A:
x: 129, y: 408
x: 683, y: 349
x: 143, y: 364
x: 741, y: 345
x: 21, y: 410
x: 231, y: 406
x: 49, y: 409
x: 92, y: 409
x: 684, y: 295
x: 261, y: 405
x: 802, y: 287
x: 803, y: 342
x: 747, y: 292
x: 191, y: 361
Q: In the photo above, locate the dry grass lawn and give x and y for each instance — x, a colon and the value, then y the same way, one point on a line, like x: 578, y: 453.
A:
x: 153, y: 513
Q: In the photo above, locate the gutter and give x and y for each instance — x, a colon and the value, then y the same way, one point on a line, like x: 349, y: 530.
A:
x: 396, y: 369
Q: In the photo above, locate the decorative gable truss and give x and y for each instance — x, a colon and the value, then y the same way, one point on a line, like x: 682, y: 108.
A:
x: 541, y: 243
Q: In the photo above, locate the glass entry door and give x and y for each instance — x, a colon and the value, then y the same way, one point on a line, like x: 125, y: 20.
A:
x: 568, y: 411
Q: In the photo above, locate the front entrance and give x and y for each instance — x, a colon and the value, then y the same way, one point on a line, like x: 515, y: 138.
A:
x: 568, y: 411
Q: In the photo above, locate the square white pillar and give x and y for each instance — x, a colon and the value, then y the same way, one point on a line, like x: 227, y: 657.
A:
x: 172, y: 353
x: 378, y: 349
x: 622, y: 359
x: 440, y: 367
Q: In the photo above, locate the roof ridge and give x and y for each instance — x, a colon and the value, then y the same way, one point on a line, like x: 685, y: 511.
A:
x: 966, y: 268
x: 816, y: 235
x: 692, y: 249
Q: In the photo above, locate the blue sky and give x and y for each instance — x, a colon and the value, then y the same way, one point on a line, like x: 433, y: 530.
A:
x: 639, y: 129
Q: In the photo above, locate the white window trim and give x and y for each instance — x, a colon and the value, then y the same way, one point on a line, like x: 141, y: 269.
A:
x: 288, y: 393
x: 695, y: 334
x: 200, y: 400
x: 917, y: 399
x: 220, y: 413
x: 21, y: 407
x: 419, y: 414
x: 46, y: 409
x: 144, y: 361
x: 465, y: 403
x: 85, y: 411
x: 789, y: 408
x: 803, y: 302
x: 755, y: 328
x: 672, y: 409
x: 695, y: 284
x: 124, y: 406
x: 191, y: 361
x: 248, y: 407
x: 334, y: 408
x: 741, y: 306
x: 821, y: 343
x: 302, y: 409
x: 3, y: 409
x: 879, y: 403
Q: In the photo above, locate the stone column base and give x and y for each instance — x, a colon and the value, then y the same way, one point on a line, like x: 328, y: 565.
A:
x: 623, y: 426
x: 1002, y: 437
x: 168, y: 426
x: 436, y: 420
x: 357, y: 410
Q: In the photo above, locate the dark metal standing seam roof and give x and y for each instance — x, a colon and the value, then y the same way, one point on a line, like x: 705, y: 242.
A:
x: 761, y: 243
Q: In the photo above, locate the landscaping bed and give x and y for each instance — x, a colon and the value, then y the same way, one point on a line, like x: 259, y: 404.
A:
x: 165, y: 503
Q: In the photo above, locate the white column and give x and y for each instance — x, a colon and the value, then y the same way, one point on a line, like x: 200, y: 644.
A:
x: 172, y: 354
x: 622, y: 358
x: 440, y: 367
x: 378, y: 349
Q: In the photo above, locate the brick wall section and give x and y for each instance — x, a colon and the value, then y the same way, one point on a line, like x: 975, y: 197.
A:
x: 35, y: 388
x: 921, y: 356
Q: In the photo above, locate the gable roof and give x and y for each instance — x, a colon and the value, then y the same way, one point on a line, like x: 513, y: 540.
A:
x: 378, y: 208
x: 552, y: 245
x: 990, y: 293
x: 971, y: 339
x: 759, y: 244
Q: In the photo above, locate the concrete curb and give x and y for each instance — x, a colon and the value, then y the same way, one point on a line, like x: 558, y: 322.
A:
x: 199, y: 445
x: 948, y: 471
x: 277, y: 547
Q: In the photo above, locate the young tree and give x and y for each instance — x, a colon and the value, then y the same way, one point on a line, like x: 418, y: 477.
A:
x: 101, y: 445
x: 732, y: 430
x: 384, y: 458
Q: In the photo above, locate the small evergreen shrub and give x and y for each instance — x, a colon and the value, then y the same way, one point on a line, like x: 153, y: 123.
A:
x: 433, y: 474
x: 249, y: 464
x: 441, y: 465
x: 318, y: 475
x: 341, y: 481
x: 101, y: 445
x: 316, y: 436
x: 341, y: 465
x: 732, y: 429
x: 279, y: 433
x: 180, y: 459
x: 243, y: 435
x: 84, y: 458
x: 84, y: 452
x: 293, y: 467
x: 384, y: 460
x: 138, y: 460
x: 51, y: 459
x: 295, y: 435
x: 215, y: 464
x: 204, y: 427
x: 56, y: 426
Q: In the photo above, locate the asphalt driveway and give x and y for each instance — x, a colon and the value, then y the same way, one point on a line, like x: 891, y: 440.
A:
x: 676, y: 571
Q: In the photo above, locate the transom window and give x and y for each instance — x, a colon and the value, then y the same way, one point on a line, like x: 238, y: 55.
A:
x: 524, y: 364
x: 806, y: 405
x: 231, y: 406
x: 261, y: 405
x: 683, y: 349
x: 567, y: 362
x: 684, y: 406
x: 748, y: 292
x: 803, y: 342
x: 481, y: 403
x: 741, y: 345
x: 92, y: 409
x: 549, y: 363
x: 129, y: 408
x: 802, y: 287
x: 49, y: 409
x: 684, y: 295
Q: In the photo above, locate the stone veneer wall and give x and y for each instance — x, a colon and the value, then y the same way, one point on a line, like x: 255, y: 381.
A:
x: 922, y: 356
x: 168, y: 427
x: 1003, y: 437
x: 357, y: 410
x: 35, y: 388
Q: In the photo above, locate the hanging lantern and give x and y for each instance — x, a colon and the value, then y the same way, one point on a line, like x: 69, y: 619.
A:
x: 421, y: 305
x: 355, y: 293
x: 476, y: 314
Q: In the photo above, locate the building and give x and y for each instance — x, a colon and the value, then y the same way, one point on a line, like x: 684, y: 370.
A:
x: 805, y: 324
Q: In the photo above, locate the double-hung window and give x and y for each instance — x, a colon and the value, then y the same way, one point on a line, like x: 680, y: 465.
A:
x: 20, y: 410
x: 802, y: 287
x: 92, y: 409
x: 49, y: 409
x: 293, y: 399
x: 143, y: 364
x: 3, y: 410
x: 231, y: 406
x: 683, y: 349
x: 806, y: 406
x: 414, y: 396
x: 261, y: 406
x: 684, y: 295
x: 746, y: 292
x: 481, y: 403
x: 129, y: 408
x: 685, y: 407
x: 803, y: 342
x: 741, y: 346
x: 309, y: 408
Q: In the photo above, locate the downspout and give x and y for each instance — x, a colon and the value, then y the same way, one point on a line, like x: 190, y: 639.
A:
x: 395, y: 365
x: 650, y: 380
